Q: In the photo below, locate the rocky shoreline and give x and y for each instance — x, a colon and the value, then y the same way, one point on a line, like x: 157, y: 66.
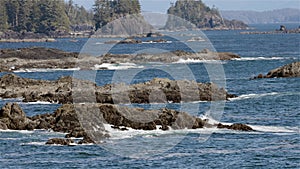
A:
x: 47, y: 58
x: 74, y: 116
x: 78, y: 121
x: 289, y: 70
x: 65, y: 91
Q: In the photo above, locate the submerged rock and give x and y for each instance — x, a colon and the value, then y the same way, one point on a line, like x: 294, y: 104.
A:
x: 290, y: 70
x: 60, y: 141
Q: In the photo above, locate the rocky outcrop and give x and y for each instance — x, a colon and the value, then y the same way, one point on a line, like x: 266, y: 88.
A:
x: 13, y: 117
x: 43, y: 58
x: 86, y: 120
x: 290, y: 70
x: 241, y: 127
x: 36, y: 53
x: 13, y: 86
x: 60, y: 141
x: 157, y: 90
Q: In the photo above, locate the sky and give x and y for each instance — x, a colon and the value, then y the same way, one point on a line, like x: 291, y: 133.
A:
x: 161, y: 6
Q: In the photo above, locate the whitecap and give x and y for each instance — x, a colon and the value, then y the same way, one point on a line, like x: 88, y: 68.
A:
x: 17, y: 131
x: 261, y: 58
x: 276, y: 129
x: 119, y: 66
x: 116, y: 134
x: 10, y: 138
x: 34, y: 143
x: 39, y: 103
x: 44, y: 70
x: 252, y: 96
x: 200, y: 61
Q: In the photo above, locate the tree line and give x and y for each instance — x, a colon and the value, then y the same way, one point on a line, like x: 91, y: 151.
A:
x: 195, y: 12
x: 44, y: 16
x: 106, y: 11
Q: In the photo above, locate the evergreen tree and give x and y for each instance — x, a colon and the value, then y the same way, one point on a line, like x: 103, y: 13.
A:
x: 41, y: 16
x: 34, y: 16
x: 197, y: 13
x: 106, y: 11
x: 23, y: 15
x: 3, y: 17
x: 102, y: 10
x: 12, y: 9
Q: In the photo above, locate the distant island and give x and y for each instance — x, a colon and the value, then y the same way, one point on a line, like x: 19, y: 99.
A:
x: 199, y: 14
x: 43, y: 20
x: 287, y: 15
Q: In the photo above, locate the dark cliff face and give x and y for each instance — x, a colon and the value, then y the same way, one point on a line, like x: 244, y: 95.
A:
x: 199, y: 15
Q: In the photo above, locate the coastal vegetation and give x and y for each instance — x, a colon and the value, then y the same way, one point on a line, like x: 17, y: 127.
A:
x: 36, y: 16
x: 200, y: 15
x: 46, y: 16
x: 58, y: 17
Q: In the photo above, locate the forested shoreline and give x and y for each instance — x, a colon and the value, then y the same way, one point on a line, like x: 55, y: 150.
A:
x: 36, y: 19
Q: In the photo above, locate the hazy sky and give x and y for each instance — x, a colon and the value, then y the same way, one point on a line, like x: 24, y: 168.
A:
x: 257, y: 5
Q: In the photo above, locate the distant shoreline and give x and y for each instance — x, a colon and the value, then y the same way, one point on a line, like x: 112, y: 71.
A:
x: 27, y: 40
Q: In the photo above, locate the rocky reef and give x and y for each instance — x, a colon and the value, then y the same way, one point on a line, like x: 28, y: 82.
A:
x: 290, y: 70
x: 61, y: 91
x: 281, y: 30
x: 45, y: 58
x: 79, y: 115
x: 80, y: 121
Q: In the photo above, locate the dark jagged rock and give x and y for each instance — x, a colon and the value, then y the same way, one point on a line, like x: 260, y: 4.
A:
x: 60, y: 141
x: 86, y: 121
x: 13, y: 117
x: 290, y: 70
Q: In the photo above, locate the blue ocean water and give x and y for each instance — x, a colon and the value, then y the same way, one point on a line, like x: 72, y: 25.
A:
x: 270, y: 106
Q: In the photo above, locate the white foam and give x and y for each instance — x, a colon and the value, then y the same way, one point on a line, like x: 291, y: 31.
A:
x: 119, y: 66
x: 199, y: 61
x: 10, y: 138
x: 17, y: 131
x: 39, y: 103
x: 151, y: 42
x: 260, y: 58
x: 44, y: 70
x: 251, y: 96
x: 116, y: 134
x: 276, y: 129
x: 12, y: 99
x: 34, y: 143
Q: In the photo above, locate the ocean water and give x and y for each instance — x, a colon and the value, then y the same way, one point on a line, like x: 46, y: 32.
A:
x: 270, y: 106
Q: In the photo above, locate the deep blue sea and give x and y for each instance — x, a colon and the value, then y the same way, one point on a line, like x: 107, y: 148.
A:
x: 270, y: 106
